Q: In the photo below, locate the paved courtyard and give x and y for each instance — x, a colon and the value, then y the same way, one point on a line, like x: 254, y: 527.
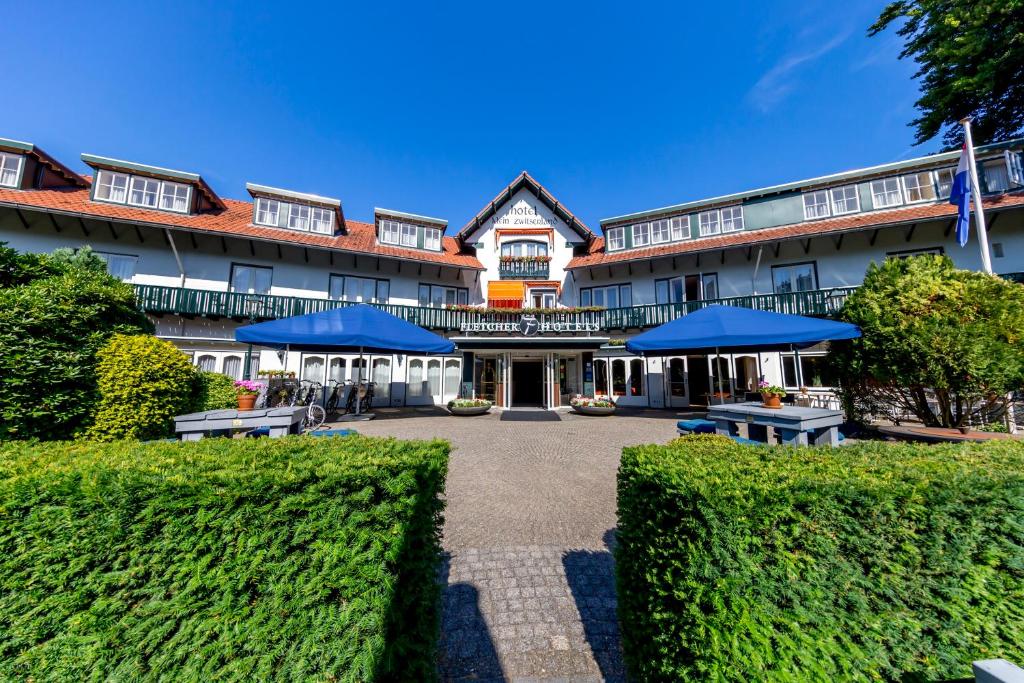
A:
x: 529, y: 577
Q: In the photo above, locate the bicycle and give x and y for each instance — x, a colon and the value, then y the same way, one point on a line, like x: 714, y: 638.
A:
x: 364, y: 392
x: 315, y: 414
x: 335, y: 397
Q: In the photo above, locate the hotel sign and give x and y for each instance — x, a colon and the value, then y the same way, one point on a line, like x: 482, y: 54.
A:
x: 529, y: 326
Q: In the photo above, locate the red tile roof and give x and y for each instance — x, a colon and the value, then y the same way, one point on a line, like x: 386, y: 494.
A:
x: 236, y: 220
x: 830, y: 226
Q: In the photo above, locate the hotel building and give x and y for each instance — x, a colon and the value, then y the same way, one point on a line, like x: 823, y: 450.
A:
x: 537, y: 302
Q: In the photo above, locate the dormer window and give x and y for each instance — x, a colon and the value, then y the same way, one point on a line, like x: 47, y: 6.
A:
x: 409, y: 230
x: 432, y: 239
x: 307, y: 213
x: 144, y: 192
x: 298, y: 217
x: 174, y: 197
x: 321, y: 220
x: 267, y: 211
x: 408, y: 235
x: 112, y: 187
x: 134, y: 190
x: 10, y: 168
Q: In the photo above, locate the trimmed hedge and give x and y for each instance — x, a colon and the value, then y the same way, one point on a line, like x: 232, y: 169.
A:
x: 292, y: 559
x: 213, y: 391
x: 874, y: 561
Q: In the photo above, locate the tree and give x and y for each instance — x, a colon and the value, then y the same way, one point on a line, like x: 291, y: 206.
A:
x: 970, y: 58
x: 56, y: 311
x: 941, y: 343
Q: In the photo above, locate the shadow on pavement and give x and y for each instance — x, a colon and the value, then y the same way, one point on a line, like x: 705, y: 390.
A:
x: 529, y: 415
x: 591, y: 577
x: 466, y: 651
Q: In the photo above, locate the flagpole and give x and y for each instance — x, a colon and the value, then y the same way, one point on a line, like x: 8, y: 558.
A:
x: 986, y: 260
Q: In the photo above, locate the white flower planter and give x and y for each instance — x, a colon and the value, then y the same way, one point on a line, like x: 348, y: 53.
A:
x: 469, y: 410
x: 594, y: 410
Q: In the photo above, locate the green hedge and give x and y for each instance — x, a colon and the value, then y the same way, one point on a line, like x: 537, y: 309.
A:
x: 213, y: 391
x: 873, y: 561
x: 294, y: 559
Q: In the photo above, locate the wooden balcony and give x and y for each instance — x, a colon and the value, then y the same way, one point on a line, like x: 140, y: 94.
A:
x: 523, y: 270
x: 255, y: 307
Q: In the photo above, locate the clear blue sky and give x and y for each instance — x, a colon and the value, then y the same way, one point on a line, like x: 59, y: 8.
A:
x: 433, y: 108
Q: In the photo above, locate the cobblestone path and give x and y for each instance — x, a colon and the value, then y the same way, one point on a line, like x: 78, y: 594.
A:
x: 529, y: 585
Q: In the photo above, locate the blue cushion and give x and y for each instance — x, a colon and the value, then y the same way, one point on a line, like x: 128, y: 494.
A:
x: 747, y: 442
x: 696, y: 426
x: 334, y: 432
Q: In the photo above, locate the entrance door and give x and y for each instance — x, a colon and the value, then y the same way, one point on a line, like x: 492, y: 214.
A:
x: 452, y: 378
x: 699, y: 380
x: 527, y: 383
x: 676, y: 381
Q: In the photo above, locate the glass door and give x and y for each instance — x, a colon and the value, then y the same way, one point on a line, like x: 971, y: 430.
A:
x: 452, y: 378
x: 381, y: 378
x: 434, y: 380
x: 417, y: 392
x: 676, y: 382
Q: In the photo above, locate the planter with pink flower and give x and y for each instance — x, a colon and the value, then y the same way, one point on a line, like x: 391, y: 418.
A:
x: 592, y: 405
x: 247, y: 392
x: 771, y: 395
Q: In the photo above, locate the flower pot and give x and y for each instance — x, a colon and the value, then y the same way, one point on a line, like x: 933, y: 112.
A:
x: 468, y: 410
x: 246, y: 401
x: 771, y: 401
x: 964, y: 430
x: 594, y: 410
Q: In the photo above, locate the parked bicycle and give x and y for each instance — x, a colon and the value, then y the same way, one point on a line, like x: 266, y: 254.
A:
x: 364, y: 392
x: 337, y: 392
x: 308, y: 395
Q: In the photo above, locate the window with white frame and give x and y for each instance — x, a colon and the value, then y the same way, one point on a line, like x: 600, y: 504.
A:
x: 641, y: 234
x: 798, y: 277
x: 524, y: 248
x: 267, y: 211
x: 660, y: 231
x: 616, y: 238
x: 321, y: 220
x: 112, y: 187
x: 251, y: 279
x: 845, y: 199
x: 611, y: 296
x: 359, y: 289
x: 944, y: 181
x: 710, y: 223
x: 886, y: 192
x: 10, y: 168
x: 919, y: 187
x: 408, y: 235
x: 542, y: 297
x: 298, y: 216
x: 816, y: 205
x: 732, y: 218
x: 144, y: 191
x: 996, y: 176
x: 439, y: 296
x: 121, y: 266
x: 681, y: 228
x: 432, y: 239
x: 174, y: 197
x: 389, y: 231
x: 669, y: 291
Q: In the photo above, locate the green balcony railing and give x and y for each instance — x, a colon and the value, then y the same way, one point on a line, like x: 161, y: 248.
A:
x: 523, y: 270
x: 241, y: 306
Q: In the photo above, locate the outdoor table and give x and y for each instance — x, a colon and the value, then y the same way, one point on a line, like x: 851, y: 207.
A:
x: 795, y: 425
x: 281, y: 421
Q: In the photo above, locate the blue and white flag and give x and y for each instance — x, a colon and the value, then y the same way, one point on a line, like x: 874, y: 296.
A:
x: 960, y: 195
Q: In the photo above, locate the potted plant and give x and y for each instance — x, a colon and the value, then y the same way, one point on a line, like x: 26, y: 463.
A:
x: 771, y: 395
x: 598, y: 405
x: 469, y: 406
x: 246, y: 390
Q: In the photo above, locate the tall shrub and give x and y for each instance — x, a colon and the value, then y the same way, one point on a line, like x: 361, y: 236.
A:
x: 870, y: 562
x: 293, y: 559
x: 213, y: 391
x: 143, y: 383
x: 931, y: 331
x: 55, y: 313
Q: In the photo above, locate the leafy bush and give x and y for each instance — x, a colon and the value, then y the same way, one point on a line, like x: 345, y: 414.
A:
x: 56, y: 311
x: 874, y: 561
x: 930, y: 330
x: 143, y: 383
x: 213, y: 391
x: 272, y: 559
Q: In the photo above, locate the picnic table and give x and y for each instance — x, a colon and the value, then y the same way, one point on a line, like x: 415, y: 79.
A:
x: 281, y: 421
x: 795, y: 425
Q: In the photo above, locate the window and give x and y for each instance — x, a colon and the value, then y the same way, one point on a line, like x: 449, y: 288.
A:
x: 681, y: 228
x: 112, y: 187
x: 389, y: 232
x: 207, y: 363
x: 438, y: 296
x: 144, y: 191
x: 408, y: 235
x: 121, y: 266
x: 799, y: 277
x: 298, y: 216
x: 996, y: 176
x: 251, y: 279
x: 618, y: 377
x: 359, y: 289
x: 919, y: 187
x: 616, y: 239
x: 732, y: 218
x: 524, y: 248
x: 543, y: 298
x: 267, y: 211
x: 432, y: 239
x: 816, y: 205
x: 811, y: 371
x: 709, y: 286
x: 641, y: 234
x: 233, y: 367
x: 914, y: 252
x: 321, y: 220
x: 944, y: 181
x: 886, y: 192
x: 636, y: 377
x: 10, y: 169
x: 669, y: 290
x: 601, y: 376
x: 336, y: 370
x: 709, y: 223
x: 174, y: 197
x: 660, y: 231
x: 612, y: 296
x: 845, y: 200
x: 381, y: 378
x: 313, y: 369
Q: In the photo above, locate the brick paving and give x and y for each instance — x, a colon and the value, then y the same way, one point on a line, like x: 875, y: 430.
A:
x: 529, y: 583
